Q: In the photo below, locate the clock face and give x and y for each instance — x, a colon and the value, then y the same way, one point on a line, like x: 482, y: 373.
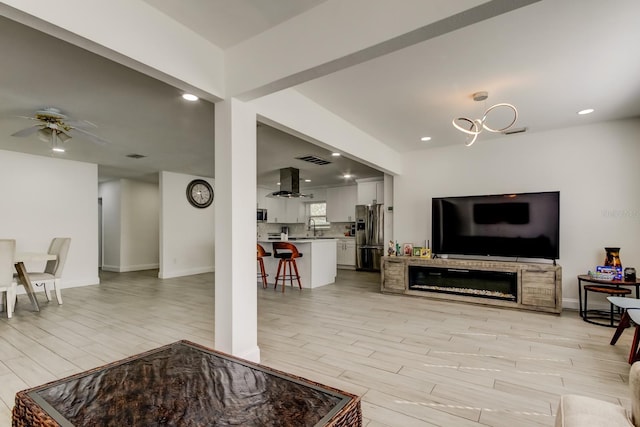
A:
x: 199, y: 193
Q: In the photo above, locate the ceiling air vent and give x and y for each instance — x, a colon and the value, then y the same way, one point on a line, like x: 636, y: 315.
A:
x: 136, y: 156
x: 314, y: 159
x: 514, y: 130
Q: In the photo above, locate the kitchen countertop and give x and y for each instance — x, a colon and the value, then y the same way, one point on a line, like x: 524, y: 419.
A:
x: 299, y: 240
x: 306, y: 239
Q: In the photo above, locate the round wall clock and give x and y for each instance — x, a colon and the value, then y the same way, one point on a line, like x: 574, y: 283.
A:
x: 200, y: 193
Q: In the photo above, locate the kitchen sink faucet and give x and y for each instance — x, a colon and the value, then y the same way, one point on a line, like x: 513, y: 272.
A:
x: 314, y: 226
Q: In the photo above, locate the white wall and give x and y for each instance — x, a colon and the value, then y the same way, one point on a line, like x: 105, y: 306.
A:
x: 45, y: 197
x: 140, y: 225
x: 594, y: 167
x: 186, y: 233
x: 131, y: 221
x: 111, y: 227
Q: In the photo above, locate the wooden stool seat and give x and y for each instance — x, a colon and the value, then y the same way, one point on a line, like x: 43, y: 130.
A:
x: 262, y: 274
x: 287, y: 254
x: 588, y: 315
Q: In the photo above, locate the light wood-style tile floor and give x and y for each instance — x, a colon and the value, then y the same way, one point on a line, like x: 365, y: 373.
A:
x: 414, y: 361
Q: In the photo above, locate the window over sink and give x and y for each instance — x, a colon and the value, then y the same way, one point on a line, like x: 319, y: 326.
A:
x: 317, y: 213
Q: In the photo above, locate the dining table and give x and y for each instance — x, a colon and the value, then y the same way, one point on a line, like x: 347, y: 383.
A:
x: 19, y: 260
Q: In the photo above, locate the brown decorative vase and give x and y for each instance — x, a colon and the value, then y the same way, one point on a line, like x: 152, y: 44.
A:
x: 612, y: 259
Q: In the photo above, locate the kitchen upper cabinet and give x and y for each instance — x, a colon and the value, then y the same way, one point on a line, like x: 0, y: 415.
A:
x: 284, y: 211
x: 346, y: 253
x: 370, y: 191
x: 261, y: 195
x: 294, y: 211
x: 276, y: 210
x: 341, y: 204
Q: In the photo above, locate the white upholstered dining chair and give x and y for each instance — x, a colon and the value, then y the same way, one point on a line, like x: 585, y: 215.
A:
x: 52, y: 273
x: 7, y: 282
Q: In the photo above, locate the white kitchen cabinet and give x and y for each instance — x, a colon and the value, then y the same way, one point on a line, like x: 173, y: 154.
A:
x: 276, y: 210
x: 380, y: 192
x: 284, y: 210
x: 294, y: 211
x: 346, y: 253
x: 341, y: 204
x: 261, y: 196
x: 370, y: 192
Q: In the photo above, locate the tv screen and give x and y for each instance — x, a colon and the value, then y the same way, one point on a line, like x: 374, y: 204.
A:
x: 525, y: 225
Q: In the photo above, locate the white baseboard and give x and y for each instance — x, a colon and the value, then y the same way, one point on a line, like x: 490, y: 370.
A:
x: 185, y: 272
x: 128, y: 268
x: 77, y: 283
x: 574, y: 304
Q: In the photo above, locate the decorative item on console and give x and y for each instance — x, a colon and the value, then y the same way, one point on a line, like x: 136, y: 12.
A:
x: 425, y: 252
x: 407, y: 249
x: 607, y: 273
x: 612, y: 257
x: 629, y: 274
x: 612, y: 265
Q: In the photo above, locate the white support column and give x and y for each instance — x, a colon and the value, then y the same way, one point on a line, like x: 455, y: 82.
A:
x: 236, y: 315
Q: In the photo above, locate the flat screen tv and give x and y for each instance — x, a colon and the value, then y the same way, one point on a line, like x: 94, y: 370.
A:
x: 524, y: 225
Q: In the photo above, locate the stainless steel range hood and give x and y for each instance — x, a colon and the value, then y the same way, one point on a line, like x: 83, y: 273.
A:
x: 289, y: 184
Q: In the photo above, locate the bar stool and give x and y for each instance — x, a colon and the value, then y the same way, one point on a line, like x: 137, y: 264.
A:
x: 287, y: 254
x: 599, y: 314
x: 263, y: 275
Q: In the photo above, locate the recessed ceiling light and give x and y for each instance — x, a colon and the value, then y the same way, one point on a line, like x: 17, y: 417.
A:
x: 307, y: 180
x: 425, y: 138
x: 189, y: 97
x: 586, y: 111
x: 335, y: 154
x: 278, y: 184
x: 346, y: 176
x: 58, y: 149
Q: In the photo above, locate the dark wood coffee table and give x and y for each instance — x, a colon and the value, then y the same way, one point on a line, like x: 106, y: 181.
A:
x: 185, y: 384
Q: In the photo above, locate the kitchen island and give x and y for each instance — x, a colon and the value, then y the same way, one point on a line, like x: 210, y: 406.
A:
x: 317, y: 266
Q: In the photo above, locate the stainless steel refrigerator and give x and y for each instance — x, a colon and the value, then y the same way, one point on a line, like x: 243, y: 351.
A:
x: 369, y: 236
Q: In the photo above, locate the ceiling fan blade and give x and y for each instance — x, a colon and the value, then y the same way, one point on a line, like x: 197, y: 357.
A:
x: 25, y: 117
x: 81, y: 124
x: 89, y: 135
x: 27, y: 131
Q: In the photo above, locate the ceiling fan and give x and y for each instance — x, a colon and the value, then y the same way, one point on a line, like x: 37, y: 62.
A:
x: 56, y: 128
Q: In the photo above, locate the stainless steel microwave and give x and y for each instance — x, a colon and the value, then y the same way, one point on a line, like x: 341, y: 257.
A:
x: 261, y: 215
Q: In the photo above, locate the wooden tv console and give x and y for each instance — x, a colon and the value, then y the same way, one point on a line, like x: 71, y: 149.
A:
x: 539, y: 286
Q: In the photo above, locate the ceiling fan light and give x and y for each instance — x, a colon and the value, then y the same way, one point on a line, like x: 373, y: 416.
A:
x: 63, y: 137
x: 44, y: 134
x: 58, y: 149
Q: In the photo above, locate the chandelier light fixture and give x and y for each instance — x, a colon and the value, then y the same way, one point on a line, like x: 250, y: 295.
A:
x: 473, y: 128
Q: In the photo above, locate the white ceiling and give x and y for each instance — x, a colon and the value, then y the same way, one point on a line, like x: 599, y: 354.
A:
x: 550, y: 59
x: 226, y: 23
